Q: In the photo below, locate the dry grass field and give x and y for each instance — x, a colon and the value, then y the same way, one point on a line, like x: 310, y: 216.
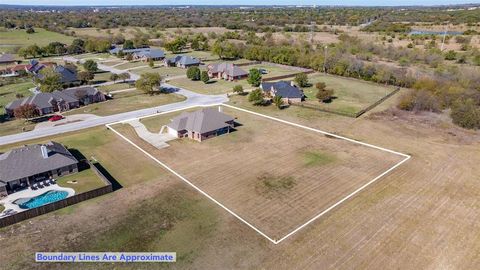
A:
x: 274, y: 175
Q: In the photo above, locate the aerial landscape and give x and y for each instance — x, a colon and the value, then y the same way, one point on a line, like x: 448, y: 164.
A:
x: 247, y: 135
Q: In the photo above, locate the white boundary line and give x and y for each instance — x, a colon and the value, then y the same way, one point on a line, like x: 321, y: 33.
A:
x: 274, y: 241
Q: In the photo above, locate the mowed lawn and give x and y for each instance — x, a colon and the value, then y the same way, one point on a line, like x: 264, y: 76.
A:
x: 9, y: 92
x: 127, y: 101
x: 165, y: 72
x: 213, y: 87
x: 9, y: 39
x: 275, y: 186
x: 272, y: 71
x: 350, y: 95
x: 82, y: 181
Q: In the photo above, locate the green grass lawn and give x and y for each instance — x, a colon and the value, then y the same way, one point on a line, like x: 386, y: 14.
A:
x: 19, y: 38
x: 127, y: 101
x: 8, y: 93
x: 82, y: 181
x: 273, y: 71
x: 112, y: 63
x: 101, y: 76
x: 351, y: 95
x: 95, y: 56
x: 165, y: 72
x: 215, y: 86
x: 116, y: 86
x: 135, y: 64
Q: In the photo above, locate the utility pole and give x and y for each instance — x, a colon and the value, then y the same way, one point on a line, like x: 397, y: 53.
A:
x: 444, y: 35
x: 325, y: 60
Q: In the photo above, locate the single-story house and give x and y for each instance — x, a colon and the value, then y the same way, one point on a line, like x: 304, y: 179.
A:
x: 67, y: 76
x: 116, y: 50
x: 182, y: 61
x: 34, y: 66
x: 153, y: 54
x: 201, y: 124
x: 287, y: 90
x: 13, y: 71
x: 22, y: 167
x: 7, y: 59
x: 58, y: 101
x: 226, y: 71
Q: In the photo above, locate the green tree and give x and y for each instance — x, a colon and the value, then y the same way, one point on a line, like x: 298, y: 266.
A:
x: 151, y: 64
x: 451, y: 55
x: 323, y: 94
x: 278, y: 102
x: 124, y: 76
x: 194, y: 73
x: 114, y: 77
x: 177, y: 45
x: 128, y: 44
x: 90, y: 66
x: 256, y: 97
x: 149, y: 83
x: 85, y: 76
x: 301, y: 79
x: 204, y: 77
x: 50, y: 80
x: 238, y: 89
x: 254, y: 77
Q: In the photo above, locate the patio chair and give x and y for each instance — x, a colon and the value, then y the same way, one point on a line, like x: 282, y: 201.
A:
x: 46, y: 183
x: 53, y: 181
x: 34, y: 187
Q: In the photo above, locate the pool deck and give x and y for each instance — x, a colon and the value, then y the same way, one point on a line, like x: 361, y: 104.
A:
x: 29, y: 193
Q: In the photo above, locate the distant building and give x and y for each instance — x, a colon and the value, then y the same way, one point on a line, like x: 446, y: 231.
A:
x: 182, y: 61
x: 201, y: 124
x: 34, y: 66
x: 58, y: 101
x: 153, y: 54
x: 226, y: 71
x: 287, y: 90
x: 7, y: 59
x: 116, y: 50
x: 24, y: 166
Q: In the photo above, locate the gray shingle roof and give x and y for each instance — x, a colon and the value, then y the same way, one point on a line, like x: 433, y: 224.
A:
x: 28, y: 160
x: 185, y: 60
x: 153, y: 53
x: 200, y: 121
x: 228, y: 68
x: 46, y: 100
x: 7, y: 58
x: 282, y: 88
x: 136, y: 50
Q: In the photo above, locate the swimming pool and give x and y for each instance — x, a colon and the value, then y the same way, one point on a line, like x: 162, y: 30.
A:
x: 42, y: 199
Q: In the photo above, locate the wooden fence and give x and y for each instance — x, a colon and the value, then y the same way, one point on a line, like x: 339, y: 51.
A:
x: 348, y: 114
x: 34, y: 212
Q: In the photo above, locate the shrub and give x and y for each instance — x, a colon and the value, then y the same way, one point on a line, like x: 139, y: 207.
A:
x: 204, y: 77
x: 302, y: 80
x: 238, y: 89
x: 256, y: 97
x: 194, y: 73
x: 466, y: 114
x: 419, y: 100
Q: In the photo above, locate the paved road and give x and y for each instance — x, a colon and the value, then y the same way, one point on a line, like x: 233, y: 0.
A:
x: 193, y: 99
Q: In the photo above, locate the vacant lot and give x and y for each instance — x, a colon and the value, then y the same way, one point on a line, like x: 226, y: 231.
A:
x: 350, y: 95
x: 213, y: 87
x: 19, y: 38
x: 127, y: 101
x: 275, y: 186
x: 165, y: 72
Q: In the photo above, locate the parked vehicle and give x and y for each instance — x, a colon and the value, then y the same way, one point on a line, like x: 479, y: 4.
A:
x: 55, y: 118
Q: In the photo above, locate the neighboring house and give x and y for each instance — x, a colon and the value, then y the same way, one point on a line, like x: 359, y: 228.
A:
x: 7, y: 59
x: 58, y: 101
x: 200, y: 125
x: 34, y: 66
x: 146, y: 56
x: 13, y: 71
x: 287, y: 90
x: 182, y: 61
x: 22, y: 167
x: 67, y: 76
x: 116, y: 50
x: 226, y: 71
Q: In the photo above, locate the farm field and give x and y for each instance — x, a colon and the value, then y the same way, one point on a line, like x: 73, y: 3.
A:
x: 276, y: 187
x: 127, y: 101
x: 213, y: 87
x: 350, y: 95
x: 19, y: 38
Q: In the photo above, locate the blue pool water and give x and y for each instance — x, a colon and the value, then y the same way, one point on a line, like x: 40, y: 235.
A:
x: 42, y: 199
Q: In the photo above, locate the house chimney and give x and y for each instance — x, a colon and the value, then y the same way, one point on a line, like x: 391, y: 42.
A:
x: 220, y: 109
x: 44, y: 150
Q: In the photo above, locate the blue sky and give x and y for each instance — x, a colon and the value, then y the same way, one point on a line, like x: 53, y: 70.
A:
x: 240, y: 2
